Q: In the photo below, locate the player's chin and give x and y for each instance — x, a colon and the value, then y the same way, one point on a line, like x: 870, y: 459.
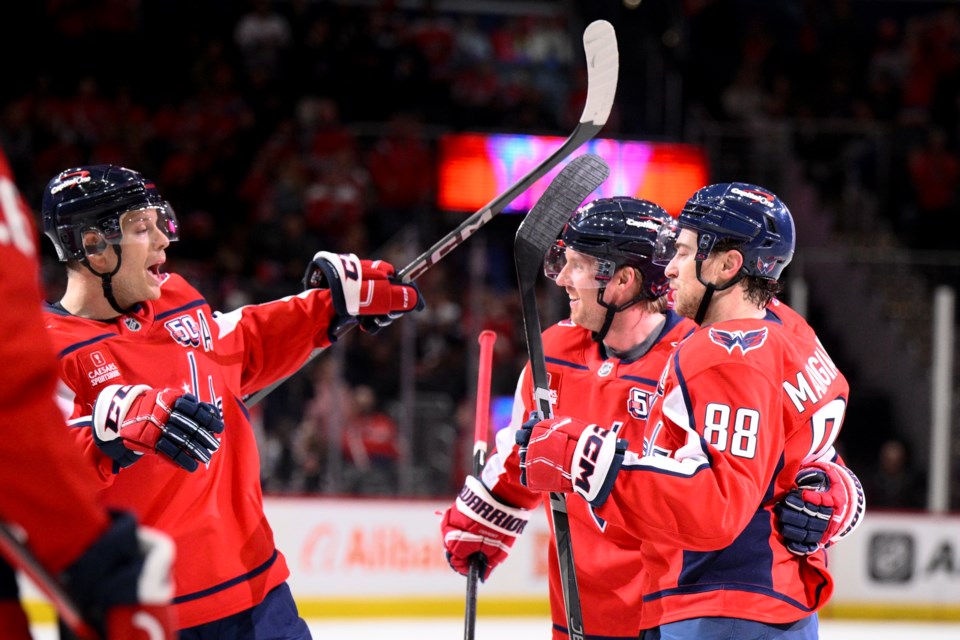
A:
x: 151, y: 291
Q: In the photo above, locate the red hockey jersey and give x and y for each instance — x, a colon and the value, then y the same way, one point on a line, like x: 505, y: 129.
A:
x: 590, y: 385
x: 226, y: 558
x: 740, y: 406
x: 39, y: 490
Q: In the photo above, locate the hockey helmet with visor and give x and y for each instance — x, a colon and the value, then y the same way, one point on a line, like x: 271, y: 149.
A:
x: 603, y: 236
x: 108, y: 200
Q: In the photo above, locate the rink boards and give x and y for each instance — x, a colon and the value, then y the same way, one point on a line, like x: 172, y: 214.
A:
x: 354, y: 557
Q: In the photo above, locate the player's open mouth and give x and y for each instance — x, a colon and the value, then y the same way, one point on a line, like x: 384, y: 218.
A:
x: 154, y: 270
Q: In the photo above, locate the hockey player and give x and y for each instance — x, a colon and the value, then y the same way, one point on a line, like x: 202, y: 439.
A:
x: 103, y: 559
x: 745, y: 403
x: 603, y: 362
x: 152, y: 380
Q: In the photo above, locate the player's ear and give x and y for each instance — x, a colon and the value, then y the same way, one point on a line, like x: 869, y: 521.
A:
x: 731, y: 263
x: 632, y: 278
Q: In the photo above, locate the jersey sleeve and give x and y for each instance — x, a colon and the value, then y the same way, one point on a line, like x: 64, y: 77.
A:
x: 41, y: 491
x: 710, y: 455
x: 501, y: 475
x: 276, y: 338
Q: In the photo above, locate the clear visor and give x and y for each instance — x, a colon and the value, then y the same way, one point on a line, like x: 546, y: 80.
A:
x: 570, y: 268
x: 666, y: 245
x: 139, y: 224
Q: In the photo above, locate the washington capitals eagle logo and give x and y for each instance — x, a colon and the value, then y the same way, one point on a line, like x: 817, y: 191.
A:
x: 765, y: 264
x: 746, y: 340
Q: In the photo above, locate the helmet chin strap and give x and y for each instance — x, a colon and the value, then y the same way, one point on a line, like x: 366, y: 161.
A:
x: 106, y: 280
x: 708, y: 294
x: 598, y: 336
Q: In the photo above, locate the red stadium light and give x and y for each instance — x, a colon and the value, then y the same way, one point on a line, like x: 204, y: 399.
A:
x: 475, y: 167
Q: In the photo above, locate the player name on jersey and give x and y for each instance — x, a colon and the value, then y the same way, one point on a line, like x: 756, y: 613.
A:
x: 812, y: 383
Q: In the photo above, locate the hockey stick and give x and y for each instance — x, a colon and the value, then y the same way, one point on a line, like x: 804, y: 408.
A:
x: 22, y: 559
x: 537, y: 233
x: 603, y: 65
x: 480, y: 435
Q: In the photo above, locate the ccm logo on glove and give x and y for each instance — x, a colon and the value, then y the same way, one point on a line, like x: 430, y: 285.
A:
x: 591, y: 446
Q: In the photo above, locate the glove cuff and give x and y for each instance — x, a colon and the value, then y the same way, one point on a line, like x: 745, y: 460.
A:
x: 477, y: 503
x: 111, y: 409
x: 345, y: 290
x: 154, y: 585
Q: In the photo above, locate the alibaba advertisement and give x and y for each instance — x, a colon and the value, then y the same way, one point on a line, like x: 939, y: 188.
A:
x: 474, y: 168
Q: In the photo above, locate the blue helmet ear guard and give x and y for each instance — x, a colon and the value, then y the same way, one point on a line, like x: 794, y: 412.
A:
x: 93, y: 198
x: 620, y: 231
x: 751, y: 216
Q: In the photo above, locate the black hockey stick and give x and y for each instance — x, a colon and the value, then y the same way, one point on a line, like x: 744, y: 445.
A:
x: 603, y: 65
x: 22, y: 559
x: 480, y: 435
x: 537, y: 233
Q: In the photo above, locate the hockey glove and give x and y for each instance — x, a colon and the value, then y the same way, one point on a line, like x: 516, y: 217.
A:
x: 826, y: 506
x: 361, y: 288
x: 478, y: 525
x: 568, y: 455
x: 129, y: 421
x: 123, y: 583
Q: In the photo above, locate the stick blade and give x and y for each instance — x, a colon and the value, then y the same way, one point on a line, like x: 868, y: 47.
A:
x: 541, y: 226
x: 603, y: 68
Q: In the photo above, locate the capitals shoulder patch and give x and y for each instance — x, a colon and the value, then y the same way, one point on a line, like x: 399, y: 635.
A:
x: 745, y: 340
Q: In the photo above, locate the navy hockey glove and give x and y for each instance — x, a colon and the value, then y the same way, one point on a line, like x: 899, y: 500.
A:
x: 123, y: 582
x: 361, y: 288
x: 826, y: 506
x: 129, y: 421
x: 479, y: 525
x: 567, y: 455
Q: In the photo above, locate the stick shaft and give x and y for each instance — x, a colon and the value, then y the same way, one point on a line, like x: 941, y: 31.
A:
x: 482, y: 422
x: 480, y: 436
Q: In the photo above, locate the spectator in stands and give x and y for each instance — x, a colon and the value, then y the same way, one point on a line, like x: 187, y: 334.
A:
x: 895, y: 484
x: 934, y: 173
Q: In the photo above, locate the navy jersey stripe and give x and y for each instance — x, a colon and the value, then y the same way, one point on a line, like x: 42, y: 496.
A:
x: 734, y: 586
x: 81, y: 345
x: 229, y: 583
x: 647, y: 381
x: 565, y: 363
x: 180, y: 309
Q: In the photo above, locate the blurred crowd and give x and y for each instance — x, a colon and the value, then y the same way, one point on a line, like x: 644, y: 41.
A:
x: 280, y: 127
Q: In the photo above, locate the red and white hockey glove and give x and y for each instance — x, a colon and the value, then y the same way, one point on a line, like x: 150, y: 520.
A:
x: 826, y: 506
x: 130, y: 420
x: 567, y: 455
x: 123, y: 583
x: 361, y: 288
x: 480, y: 526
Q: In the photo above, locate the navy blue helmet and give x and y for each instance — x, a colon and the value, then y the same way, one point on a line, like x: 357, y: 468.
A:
x: 620, y: 231
x: 93, y: 198
x: 747, y: 214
